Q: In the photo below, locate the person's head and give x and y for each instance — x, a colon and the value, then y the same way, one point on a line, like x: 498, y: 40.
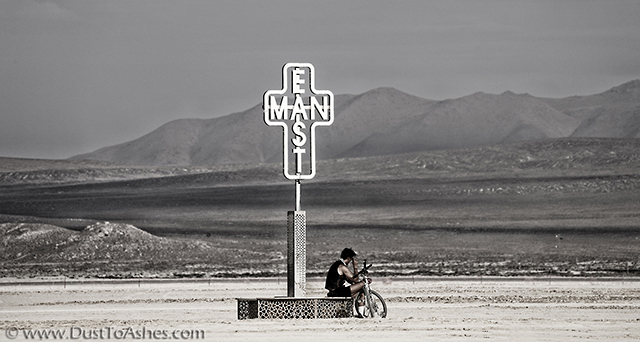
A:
x: 347, y: 253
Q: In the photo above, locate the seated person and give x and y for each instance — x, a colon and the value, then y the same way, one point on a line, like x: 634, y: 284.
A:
x: 339, y: 275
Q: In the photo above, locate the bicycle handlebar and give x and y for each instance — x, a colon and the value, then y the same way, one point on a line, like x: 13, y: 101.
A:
x: 365, y: 269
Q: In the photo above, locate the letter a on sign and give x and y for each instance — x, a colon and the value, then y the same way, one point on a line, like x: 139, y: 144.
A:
x: 298, y: 108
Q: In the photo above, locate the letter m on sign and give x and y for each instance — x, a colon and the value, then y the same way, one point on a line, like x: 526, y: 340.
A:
x: 298, y: 108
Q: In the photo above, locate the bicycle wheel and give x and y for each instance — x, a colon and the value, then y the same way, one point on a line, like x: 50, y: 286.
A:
x: 375, y: 305
x: 378, y: 306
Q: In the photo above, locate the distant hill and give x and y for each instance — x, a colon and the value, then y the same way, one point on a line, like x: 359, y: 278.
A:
x: 386, y: 121
x: 98, y: 248
x: 475, y: 120
x: 612, y: 114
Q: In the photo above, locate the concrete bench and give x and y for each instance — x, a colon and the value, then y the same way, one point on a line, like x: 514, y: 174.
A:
x: 295, y: 307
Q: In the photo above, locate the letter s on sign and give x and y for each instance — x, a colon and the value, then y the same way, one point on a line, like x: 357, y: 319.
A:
x: 301, y: 137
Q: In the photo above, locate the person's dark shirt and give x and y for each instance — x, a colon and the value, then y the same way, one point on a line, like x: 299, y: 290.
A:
x: 334, y: 279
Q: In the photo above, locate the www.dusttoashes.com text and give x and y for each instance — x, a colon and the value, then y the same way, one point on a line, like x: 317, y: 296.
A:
x: 106, y: 333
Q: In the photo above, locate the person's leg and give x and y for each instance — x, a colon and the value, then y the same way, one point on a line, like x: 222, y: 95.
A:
x: 355, y: 288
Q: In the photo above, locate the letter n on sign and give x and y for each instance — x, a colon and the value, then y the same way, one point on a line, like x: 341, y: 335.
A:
x: 298, y: 108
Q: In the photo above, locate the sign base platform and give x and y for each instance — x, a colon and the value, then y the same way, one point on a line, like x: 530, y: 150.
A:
x: 295, y: 308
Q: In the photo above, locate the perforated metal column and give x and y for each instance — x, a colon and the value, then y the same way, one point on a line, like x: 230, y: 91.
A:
x: 296, y: 253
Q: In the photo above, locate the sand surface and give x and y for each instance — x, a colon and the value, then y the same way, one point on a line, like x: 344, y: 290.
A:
x: 432, y: 309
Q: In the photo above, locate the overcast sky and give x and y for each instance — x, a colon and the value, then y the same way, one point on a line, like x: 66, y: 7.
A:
x: 79, y: 75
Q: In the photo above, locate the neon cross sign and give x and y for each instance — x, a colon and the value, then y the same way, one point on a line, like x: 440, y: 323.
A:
x: 298, y: 108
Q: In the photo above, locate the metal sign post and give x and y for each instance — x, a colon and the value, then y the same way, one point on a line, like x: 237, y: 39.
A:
x: 298, y: 108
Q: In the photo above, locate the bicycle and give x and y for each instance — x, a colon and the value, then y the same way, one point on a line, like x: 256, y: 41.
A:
x: 374, y: 305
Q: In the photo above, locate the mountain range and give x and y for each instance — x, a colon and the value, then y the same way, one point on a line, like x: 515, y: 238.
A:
x: 386, y: 121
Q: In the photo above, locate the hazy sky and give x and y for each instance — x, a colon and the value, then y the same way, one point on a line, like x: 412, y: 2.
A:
x: 79, y: 75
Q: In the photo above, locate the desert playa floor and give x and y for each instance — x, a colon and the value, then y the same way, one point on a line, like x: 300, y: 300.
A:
x: 424, y: 309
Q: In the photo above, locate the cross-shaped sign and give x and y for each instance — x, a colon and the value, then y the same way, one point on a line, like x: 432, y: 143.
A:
x: 298, y: 108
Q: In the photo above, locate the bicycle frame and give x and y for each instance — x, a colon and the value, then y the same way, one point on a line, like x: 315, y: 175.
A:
x: 370, y: 302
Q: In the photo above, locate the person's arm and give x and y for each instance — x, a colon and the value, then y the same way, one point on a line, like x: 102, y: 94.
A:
x: 348, y: 274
